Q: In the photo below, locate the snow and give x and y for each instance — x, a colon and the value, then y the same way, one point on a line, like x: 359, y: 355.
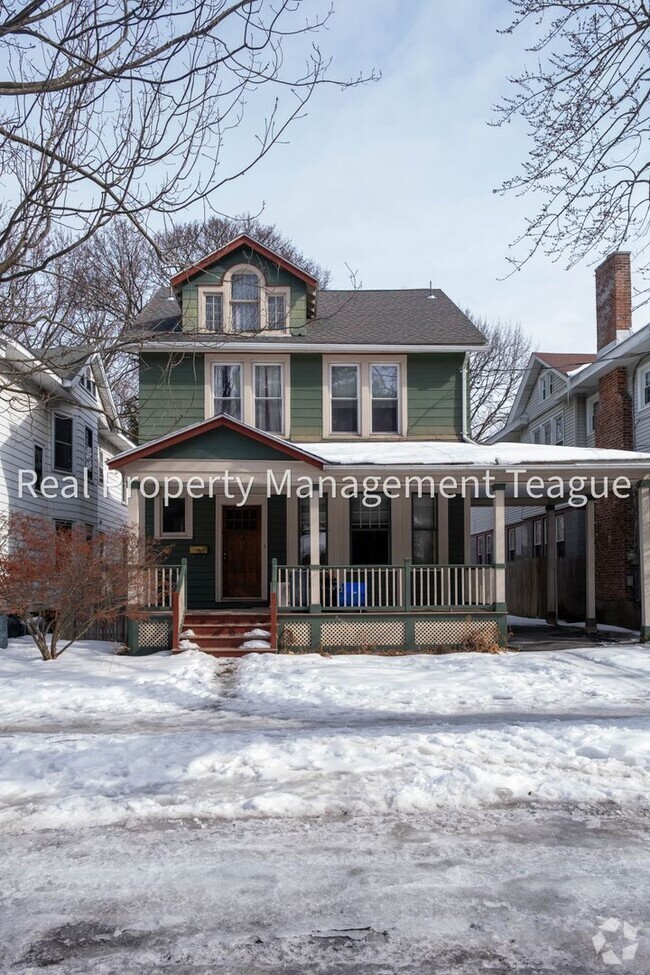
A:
x: 445, y: 454
x: 535, y: 621
x: 255, y: 645
x: 308, y: 813
x: 257, y: 632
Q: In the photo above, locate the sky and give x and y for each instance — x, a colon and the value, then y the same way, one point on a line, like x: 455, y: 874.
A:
x: 395, y: 179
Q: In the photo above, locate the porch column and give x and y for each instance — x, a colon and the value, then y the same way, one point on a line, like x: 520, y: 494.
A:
x: 551, y: 566
x: 314, y: 550
x: 135, y: 512
x: 644, y: 558
x: 443, y: 530
x: 499, y: 506
x: 467, y: 529
x: 590, y: 568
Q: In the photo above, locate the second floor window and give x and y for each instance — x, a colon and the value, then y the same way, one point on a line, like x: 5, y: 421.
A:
x: 276, y: 312
x: 344, y: 387
x: 38, y: 466
x: 62, y: 443
x: 227, y: 390
x: 245, y: 302
x: 559, y: 429
x: 90, y: 453
x: 384, y: 389
x: 213, y: 311
x: 268, y: 398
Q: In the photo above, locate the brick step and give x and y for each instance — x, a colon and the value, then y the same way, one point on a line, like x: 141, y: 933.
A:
x: 227, y: 640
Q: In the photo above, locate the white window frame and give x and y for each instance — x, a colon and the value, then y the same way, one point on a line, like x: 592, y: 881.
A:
x: 225, y: 361
x: 330, y: 409
x: 546, y: 385
x: 224, y: 288
x: 644, y: 372
x: 247, y: 365
x: 158, y: 522
x: 591, y: 407
x: 64, y: 470
x: 364, y: 362
x: 283, y: 387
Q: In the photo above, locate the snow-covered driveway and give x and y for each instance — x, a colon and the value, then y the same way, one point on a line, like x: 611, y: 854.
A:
x: 488, y: 812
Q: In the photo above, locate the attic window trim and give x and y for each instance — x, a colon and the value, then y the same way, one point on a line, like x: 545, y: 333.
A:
x: 224, y: 289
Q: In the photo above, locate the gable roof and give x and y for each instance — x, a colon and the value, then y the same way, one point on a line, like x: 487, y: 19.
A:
x: 415, y: 316
x: 566, y: 362
x: 207, y: 426
x: 243, y: 240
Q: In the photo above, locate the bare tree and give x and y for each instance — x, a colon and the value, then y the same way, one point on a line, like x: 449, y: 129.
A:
x: 585, y: 101
x: 494, y: 375
x: 116, y: 108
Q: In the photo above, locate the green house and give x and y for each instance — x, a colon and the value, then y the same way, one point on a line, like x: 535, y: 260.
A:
x: 293, y: 444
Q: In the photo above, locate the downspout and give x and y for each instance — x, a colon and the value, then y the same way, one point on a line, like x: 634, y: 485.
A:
x: 464, y: 432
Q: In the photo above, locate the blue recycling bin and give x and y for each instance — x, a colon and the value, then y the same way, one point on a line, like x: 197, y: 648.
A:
x: 352, y: 594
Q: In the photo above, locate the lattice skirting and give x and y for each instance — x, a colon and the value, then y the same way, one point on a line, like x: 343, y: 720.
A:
x: 152, y: 635
x: 296, y: 635
x: 355, y: 633
x: 449, y: 632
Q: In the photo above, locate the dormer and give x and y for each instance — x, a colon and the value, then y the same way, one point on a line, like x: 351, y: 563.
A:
x: 245, y: 289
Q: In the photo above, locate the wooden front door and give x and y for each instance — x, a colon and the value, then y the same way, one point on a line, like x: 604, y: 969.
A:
x: 242, y: 552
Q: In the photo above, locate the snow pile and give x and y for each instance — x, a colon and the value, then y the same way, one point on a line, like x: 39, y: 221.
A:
x: 255, y: 645
x: 275, y: 736
x: 258, y: 633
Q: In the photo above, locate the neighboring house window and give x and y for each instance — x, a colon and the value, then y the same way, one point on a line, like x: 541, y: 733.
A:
x: 423, y: 531
x: 276, y: 312
x: 537, y: 435
x: 512, y: 544
x: 90, y: 453
x: 370, y: 533
x: 101, y: 464
x: 245, y: 302
x: 89, y: 532
x: 38, y: 466
x: 62, y: 443
x: 538, y: 538
x: 344, y: 386
x: 269, y: 408
x: 546, y: 386
x: 384, y: 391
x: 645, y: 388
x: 88, y: 382
x: 174, y: 518
x: 213, y: 311
x: 547, y: 432
x: 304, y: 535
x: 488, y: 548
x: 592, y: 409
x: 62, y: 526
x: 480, y: 549
x: 227, y: 390
x: 560, y: 536
x: 559, y: 429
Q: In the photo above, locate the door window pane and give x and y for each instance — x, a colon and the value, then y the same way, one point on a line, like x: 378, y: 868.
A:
x: 227, y: 390
x: 344, y: 388
x: 268, y: 398
x: 384, y: 388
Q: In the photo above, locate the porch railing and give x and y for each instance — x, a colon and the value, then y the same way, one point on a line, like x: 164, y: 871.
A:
x: 384, y: 587
x: 153, y: 586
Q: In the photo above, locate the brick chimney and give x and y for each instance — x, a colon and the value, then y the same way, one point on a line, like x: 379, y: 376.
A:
x: 613, y: 299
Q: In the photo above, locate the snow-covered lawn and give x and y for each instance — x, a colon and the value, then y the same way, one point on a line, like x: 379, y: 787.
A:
x: 355, y: 814
x: 103, y: 739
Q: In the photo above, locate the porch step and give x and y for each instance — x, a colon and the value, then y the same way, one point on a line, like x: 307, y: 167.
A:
x: 221, y: 633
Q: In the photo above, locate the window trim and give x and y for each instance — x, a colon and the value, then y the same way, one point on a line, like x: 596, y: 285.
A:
x: 224, y: 288
x: 225, y: 361
x: 344, y: 433
x: 189, y: 514
x: 254, y: 366
x: 247, y: 365
x: 591, y: 410
x: 364, y: 362
x: 63, y: 416
x: 643, y: 371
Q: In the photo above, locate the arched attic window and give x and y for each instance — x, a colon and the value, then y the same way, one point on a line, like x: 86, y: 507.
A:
x: 244, y: 303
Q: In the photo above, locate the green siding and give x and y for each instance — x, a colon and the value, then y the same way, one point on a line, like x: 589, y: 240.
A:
x: 435, y: 393
x: 306, y: 397
x: 221, y: 444
x: 201, y: 578
x: 273, y: 275
x: 172, y: 390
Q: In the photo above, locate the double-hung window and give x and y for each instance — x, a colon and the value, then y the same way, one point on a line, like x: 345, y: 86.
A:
x: 245, y: 302
x: 276, y: 312
x: 645, y: 388
x: 213, y: 311
x: 268, y: 386
x: 228, y: 389
x: 62, y: 443
x: 384, y: 391
x: 559, y: 429
x: 344, y: 393
x: 90, y: 453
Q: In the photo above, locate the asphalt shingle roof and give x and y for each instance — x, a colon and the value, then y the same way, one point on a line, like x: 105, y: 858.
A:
x: 415, y: 316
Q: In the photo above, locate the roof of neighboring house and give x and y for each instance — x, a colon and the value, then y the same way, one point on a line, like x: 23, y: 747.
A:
x: 416, y: 316
x: 65, y: 362
x: 566, y: 362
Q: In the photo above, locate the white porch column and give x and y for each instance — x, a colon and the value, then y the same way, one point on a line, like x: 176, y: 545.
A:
x: 499, y: 547
x: 590, y: 567
x: 314, y: 548
x: 644, y: 558
x: 135, y: 513
x: 551, y: 566
x: 467, y: 528
x: 443, y: 530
